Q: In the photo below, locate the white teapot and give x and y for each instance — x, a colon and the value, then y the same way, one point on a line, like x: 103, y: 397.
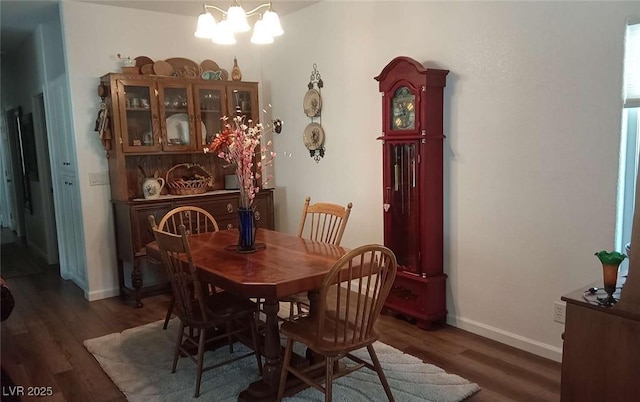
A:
x: 152, y: 187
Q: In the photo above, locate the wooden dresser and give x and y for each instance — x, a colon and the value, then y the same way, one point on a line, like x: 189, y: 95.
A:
x: 601, y: 352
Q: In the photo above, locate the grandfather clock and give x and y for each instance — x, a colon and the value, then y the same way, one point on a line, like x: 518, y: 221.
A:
x: 412, y: 138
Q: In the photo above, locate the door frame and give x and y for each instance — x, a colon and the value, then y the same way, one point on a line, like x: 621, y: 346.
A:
x: 44, y: 172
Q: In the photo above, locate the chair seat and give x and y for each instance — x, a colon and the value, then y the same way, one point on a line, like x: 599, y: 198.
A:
x: 220, y: 307
x: 296, y: 298
x: 224, y: 305
x: 304, y: 330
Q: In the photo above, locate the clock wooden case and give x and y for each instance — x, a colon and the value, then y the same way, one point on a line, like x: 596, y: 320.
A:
x: 412, y: 127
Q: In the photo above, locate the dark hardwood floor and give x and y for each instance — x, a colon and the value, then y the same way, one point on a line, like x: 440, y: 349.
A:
x: 42, y: 346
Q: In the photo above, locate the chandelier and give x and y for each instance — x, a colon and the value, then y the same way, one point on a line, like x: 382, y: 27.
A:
x: 234, y: 20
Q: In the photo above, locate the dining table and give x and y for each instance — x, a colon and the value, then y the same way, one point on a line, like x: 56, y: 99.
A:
x: 281, y: 265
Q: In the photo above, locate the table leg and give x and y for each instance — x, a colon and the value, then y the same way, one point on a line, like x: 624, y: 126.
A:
x: 136, y: 281
x: 313, y: 296
x: 266, y: 389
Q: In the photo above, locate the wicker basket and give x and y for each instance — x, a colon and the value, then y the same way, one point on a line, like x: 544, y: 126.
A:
x: 188, y: 179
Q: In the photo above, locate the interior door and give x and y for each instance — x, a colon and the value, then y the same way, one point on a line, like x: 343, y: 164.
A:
x: 9, y: 190
x: 17, y: 178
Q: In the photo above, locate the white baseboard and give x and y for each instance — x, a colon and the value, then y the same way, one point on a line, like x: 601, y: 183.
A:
x: 508, y: 338
x: 67, y: 276
x: 101, y: 294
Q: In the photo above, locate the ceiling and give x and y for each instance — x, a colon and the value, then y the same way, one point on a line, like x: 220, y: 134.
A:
x: 19, y: 18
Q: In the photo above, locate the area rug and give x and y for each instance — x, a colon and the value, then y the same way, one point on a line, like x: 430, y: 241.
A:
x: 138, y: 361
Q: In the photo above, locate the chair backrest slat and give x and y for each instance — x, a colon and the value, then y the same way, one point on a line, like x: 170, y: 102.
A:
x: 353, y: 294
x: 323, y: 221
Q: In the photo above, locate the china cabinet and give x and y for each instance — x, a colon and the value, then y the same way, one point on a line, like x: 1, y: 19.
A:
x: 412, y: 137
x: 155, y: 124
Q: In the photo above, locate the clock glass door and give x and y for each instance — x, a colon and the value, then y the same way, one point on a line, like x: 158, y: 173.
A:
x: 403, y: 111
x: 402, y: 218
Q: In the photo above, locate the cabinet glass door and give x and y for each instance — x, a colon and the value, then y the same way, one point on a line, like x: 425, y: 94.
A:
x: 402, y: 218
x: 242, y: 100
x: 140, y: 124
x: 209, y: 105
x: 177, y: 118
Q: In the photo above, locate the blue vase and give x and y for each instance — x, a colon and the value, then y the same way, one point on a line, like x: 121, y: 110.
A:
x: 247, y: 229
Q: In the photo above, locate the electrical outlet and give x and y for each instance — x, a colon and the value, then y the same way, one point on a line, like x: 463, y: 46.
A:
x: 559, y: 311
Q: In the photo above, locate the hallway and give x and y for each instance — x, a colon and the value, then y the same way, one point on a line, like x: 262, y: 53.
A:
x: 16, y: 260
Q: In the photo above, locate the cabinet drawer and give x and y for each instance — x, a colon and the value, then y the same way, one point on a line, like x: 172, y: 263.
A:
x: 221, y: 209
x: 142, y: 229
x: 230, y: 223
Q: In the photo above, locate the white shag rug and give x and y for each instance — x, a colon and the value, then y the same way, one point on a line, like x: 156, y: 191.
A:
x: 138, y: 361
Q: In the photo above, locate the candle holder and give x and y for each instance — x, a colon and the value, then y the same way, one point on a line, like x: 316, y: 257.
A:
x: 610, y: 263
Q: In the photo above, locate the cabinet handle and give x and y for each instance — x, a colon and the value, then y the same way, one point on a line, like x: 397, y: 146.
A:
x: 229, y: 226
x: 229, y: 207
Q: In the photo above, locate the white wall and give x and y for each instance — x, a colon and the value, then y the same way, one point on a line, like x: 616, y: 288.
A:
x: 533, y: 107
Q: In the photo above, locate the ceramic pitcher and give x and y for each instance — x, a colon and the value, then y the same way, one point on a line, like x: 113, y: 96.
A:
x: 152, y: 187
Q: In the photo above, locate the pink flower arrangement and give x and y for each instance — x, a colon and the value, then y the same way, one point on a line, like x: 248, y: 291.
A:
x: 237, y: 145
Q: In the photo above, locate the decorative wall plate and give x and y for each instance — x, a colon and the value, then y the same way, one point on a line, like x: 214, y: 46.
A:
x: 161, y: 67
x: 312, y: 103
x: 147, y: 69
x: 313, y: 136
x: 143, y: 61
x: 209, y: 65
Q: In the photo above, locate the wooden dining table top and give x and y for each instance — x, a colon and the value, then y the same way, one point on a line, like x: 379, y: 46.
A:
x: 284, y: 265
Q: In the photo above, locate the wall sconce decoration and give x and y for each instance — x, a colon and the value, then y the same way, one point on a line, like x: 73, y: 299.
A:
x: 313, y: 136
x: 234, y: 20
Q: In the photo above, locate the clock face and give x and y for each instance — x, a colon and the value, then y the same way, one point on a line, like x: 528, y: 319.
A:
x: 403, y: 112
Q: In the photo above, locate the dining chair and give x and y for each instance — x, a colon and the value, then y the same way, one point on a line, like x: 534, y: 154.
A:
x: 350, y: 300
x: 212, y: 315
x: 196, y: 220
x: 323, y: 222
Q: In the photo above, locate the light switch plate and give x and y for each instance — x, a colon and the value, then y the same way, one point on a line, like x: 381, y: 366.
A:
x: 98, y: 178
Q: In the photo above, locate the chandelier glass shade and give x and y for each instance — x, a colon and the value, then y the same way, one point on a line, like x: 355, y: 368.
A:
x: 235, y: 20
